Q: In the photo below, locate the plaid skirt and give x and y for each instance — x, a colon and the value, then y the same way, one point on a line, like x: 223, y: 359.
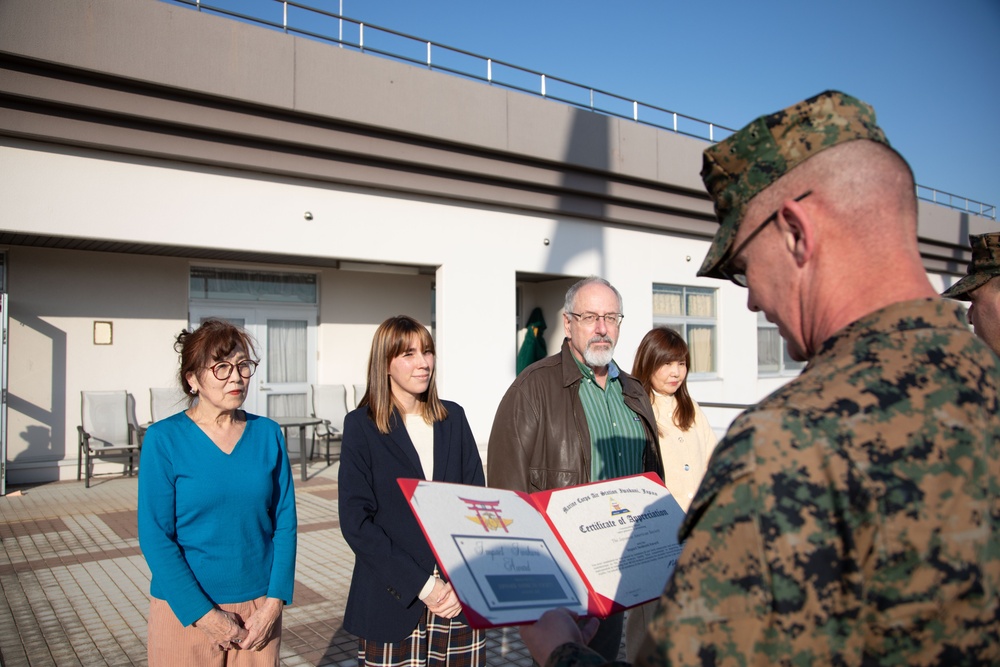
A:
x: 435, y: 642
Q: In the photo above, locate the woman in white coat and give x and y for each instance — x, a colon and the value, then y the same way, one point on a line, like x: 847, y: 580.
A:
x: 686, y: 439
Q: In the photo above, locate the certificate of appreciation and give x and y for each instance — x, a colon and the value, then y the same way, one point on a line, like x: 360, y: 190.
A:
x: 595, y: 549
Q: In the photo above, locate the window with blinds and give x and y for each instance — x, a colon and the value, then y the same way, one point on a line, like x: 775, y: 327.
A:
x: 233, y: 284
x: 690, y: 311
x: 772, y: 351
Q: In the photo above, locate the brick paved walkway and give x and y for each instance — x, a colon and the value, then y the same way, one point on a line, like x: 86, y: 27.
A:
x: 74, y: 585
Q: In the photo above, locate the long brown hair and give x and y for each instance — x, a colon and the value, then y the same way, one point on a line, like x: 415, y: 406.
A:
x: 392, y: 338
x: 661, y: 346
x: 213, y: 341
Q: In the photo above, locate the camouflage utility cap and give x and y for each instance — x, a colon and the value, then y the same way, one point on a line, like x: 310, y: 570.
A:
x: 737, y: 169
x: 984, y: 265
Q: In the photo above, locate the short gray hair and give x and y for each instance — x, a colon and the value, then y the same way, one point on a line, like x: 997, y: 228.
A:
x: 590, y: 280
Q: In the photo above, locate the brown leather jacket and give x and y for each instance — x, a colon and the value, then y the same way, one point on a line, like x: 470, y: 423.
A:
x: 540, y: 438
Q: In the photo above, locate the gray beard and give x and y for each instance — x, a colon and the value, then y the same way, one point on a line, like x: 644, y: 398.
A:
x: 598, y: 358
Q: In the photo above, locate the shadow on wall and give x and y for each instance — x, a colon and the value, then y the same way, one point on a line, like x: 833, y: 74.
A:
x: 43, y: 436
x: 960, y: 264
x: 39, y: 444
x: 585, y: 187
x: 962, y: 255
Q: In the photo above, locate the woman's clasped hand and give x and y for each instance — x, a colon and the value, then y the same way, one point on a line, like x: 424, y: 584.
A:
x: 223, y: 628
x: 442, y: 600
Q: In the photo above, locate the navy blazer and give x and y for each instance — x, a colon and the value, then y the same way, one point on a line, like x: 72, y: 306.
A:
x: 392, y: 559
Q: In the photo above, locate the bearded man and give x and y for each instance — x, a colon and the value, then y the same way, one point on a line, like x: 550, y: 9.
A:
x: 576, y: 417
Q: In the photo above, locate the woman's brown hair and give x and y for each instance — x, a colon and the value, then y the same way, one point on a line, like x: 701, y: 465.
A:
x: 661, y: 346
x: 213, y: 341
x: 392, y: 338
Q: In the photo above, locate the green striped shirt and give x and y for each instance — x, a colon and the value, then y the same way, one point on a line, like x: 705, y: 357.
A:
x: 617, y: 437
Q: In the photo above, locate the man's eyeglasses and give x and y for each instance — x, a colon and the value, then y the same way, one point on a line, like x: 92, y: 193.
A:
x: 224, y: 369
x: 590, y: 319
x: 739, y: 276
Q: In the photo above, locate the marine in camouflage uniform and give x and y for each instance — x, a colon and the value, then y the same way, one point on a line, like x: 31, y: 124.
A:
x: 979, y: 287
x: 846, y: 518
x: 851, y: 517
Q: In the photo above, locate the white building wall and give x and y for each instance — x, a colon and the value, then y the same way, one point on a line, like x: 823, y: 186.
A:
x: 475, y: 253
x: 56, y: 296
x: 352, y: 304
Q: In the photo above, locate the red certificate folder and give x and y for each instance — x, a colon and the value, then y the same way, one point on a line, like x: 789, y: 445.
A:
x: 595, y: 549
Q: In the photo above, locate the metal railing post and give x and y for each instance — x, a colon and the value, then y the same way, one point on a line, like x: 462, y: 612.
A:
x: 429, y: 55
x: 543, y: 85
x: 635, y: 111
x: 361, y: 36
x: 284, y: 16
x: 489, y: 70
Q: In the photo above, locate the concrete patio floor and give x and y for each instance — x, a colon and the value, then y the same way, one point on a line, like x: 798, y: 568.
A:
x: 74, y: 584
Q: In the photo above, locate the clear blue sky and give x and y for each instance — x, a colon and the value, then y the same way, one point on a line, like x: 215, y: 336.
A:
x: 931, y: 69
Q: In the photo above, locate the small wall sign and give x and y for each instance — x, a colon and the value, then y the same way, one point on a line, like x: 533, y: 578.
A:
x: 102, y: 333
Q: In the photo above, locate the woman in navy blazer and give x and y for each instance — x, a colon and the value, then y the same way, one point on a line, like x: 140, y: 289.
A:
x: 398, y: 605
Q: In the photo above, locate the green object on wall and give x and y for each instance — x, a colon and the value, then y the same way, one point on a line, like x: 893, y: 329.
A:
x: 533, y: 347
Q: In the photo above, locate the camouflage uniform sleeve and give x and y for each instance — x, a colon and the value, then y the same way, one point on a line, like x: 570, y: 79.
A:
x: 769, y: 568
x: 714, y: 606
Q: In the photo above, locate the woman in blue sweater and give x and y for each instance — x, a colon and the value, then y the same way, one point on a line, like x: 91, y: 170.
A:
x: 217, y: 520
x: 398, y: 606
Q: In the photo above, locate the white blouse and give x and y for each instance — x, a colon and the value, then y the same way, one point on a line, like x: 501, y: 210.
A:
x: 422, y: 436
x: 685, y: 453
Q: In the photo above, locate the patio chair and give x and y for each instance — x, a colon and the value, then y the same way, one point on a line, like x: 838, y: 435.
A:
x: 165, y: 401
x: 359, y: 392
x: 329, y: 403
x: 108, y: 430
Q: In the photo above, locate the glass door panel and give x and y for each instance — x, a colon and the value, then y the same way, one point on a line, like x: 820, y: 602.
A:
x: 285, y: 338
x: 287, y: 369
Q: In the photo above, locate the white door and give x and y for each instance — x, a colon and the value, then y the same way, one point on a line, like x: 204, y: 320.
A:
x: 285, y: 337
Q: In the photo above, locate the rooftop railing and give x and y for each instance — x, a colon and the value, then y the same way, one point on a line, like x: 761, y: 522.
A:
x: 334, y: 28
x: 956, y: 202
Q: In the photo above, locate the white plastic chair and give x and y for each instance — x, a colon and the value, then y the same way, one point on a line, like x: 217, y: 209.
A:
x: 165, y: 401
x: 329, y: 403
x: 359, y: 392
x: 107, y: 429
